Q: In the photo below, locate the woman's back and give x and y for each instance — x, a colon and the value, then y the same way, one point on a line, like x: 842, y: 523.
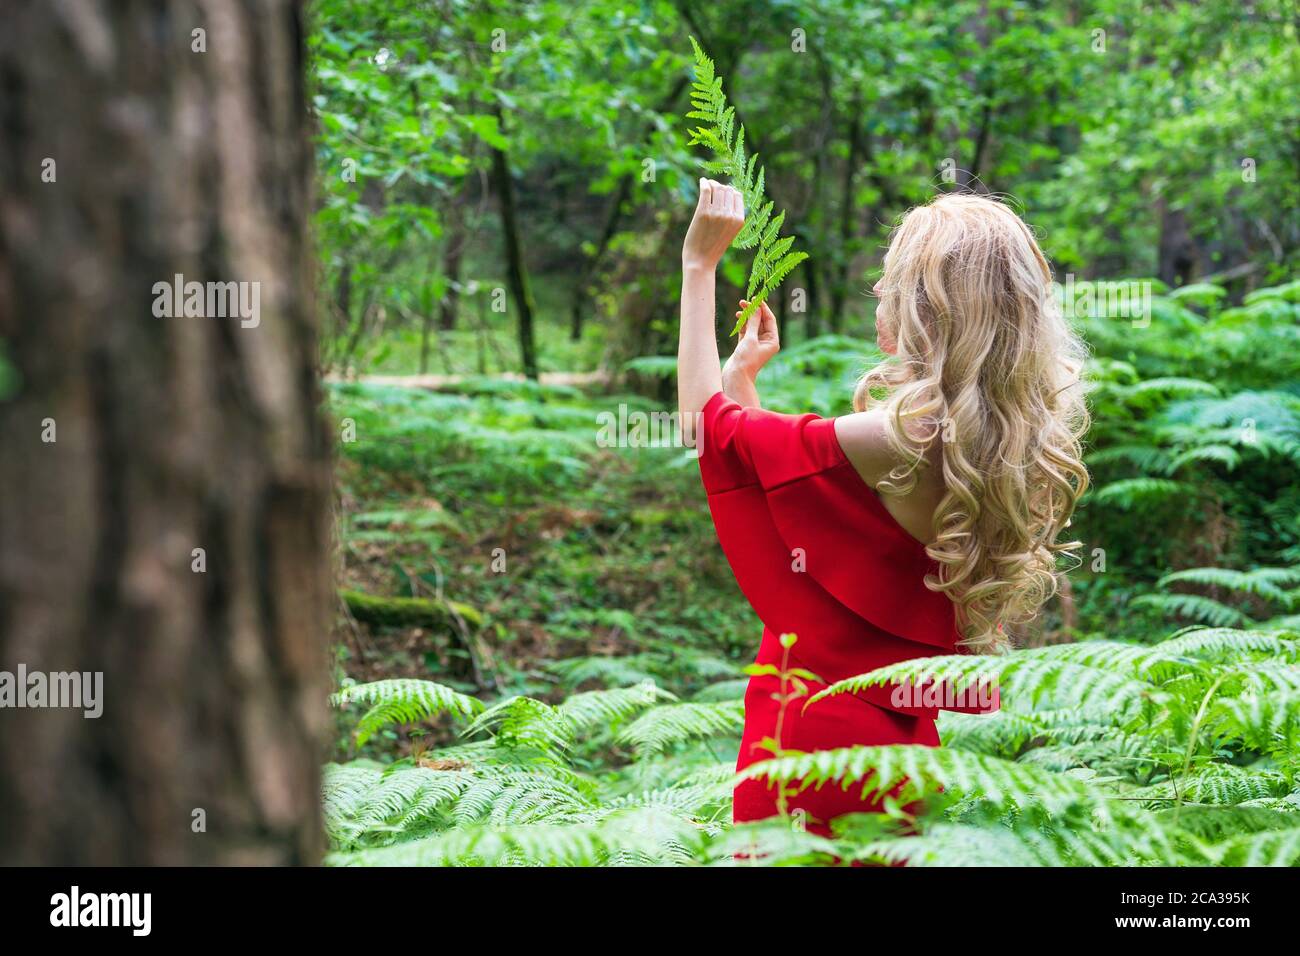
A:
x: 862, y: 436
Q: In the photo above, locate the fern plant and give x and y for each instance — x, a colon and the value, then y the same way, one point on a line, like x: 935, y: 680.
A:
x: 1106, y: 753
x: 1271, y: 586
x: 402, y: 701
x: 1158, y: 749
x: 774, y: 255
x: 1109, y: 754
x: 518, y: 795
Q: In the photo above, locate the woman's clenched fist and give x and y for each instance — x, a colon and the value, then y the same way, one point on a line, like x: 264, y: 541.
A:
x: 718, y: 219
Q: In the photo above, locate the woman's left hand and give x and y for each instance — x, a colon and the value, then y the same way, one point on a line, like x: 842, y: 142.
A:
x: 758, y: 343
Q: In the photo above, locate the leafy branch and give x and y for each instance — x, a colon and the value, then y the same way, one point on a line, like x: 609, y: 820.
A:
x: 774, y: 258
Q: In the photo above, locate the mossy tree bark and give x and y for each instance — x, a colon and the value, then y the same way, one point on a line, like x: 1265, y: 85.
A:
x: 170, y: 435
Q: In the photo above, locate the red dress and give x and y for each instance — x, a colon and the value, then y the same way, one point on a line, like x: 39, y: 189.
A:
x: 818, y: 555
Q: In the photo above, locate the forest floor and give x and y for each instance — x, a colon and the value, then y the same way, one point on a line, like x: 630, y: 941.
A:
x: 566, y: 561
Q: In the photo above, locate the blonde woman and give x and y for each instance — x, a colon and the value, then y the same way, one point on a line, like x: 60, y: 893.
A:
x: 919, y: 525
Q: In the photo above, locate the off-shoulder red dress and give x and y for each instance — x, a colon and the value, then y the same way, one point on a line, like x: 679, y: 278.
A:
x: 818, y: 555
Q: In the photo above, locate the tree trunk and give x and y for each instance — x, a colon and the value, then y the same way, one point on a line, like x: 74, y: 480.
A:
x: 453, y: 256
x: 426, y: 327
x: 811, y: 300
x: 969, y: 179
x: 169, y: 435
x: 844, y: 267
x: 517, y: 271
x: 340, y: 309
x: 1176, y: 253
x: 581, y: 300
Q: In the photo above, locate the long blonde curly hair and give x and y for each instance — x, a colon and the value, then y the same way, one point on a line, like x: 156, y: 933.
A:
x: 986, y: 364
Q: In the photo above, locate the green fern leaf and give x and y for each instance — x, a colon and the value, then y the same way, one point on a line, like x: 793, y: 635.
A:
x: 1270, y: 848
x: 726, y: 141
x: 659, y: 728
x: 403, y: 701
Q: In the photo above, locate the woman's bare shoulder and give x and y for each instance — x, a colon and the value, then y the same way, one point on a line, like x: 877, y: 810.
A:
x: 863, y: 437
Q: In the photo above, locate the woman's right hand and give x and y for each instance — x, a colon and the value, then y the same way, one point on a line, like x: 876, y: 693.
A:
x: 759, y: 342
x: 719, y: 217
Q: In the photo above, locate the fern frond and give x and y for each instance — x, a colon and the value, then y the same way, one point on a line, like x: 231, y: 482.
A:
x: 1266, y: 722
x: 773, y: 259
x: 775, y: 841
x: 1227, y: 643
x: 1261, y: 582
x: 1267, y: 676
x: 1162, y: 389
x: 344, y: 789
x: 917, y: 771
x: 660, y: 728
x: 723, y: 690
x: 1213, y: 824
x: 1194, y: 606
x: 686, y: 800
x: 403, y: 701
x: 1133, y: 492
x: 610, y: 671
x: 523, y: 722
x: 638, y: 835
x: 609, y: 707
x: 1000, y: 734
x: 1269, y: 848
x: 1147, y: 458
x: 953, y: 845
x: 1216, y: 783
x: 384, y: 804
x: 1042, y: 673
x: 524, y: 793
x: 1093, y: 747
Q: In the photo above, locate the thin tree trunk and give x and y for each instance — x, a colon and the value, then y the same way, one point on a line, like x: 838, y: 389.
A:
x: 840, y: 289
x: 169, y: 435
x: 812, y: 265
x: 340, y: 307
x: 453, y: 256
x: 449, y: 308
x: 426, y: 325
x: 970, y: 179
x: 811, y: 323
x: 581, y: 300
x: 517, y: 271
x: 343, y: 298
x: 1176, y: 253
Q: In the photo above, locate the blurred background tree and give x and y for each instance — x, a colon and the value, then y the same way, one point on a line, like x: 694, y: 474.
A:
x: 165, y: 515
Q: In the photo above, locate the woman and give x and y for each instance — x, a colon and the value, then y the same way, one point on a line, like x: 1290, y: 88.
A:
x: 918, y: 525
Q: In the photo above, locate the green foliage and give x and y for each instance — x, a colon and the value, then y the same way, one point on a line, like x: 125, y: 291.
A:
x: 403, y: 701
x: 1268, y: 586
x: 1106, y: 753
x: 1163, y: 132
x: 658, y: 729
x: 1193, y: 459
x: 614, y: 744
x: 582, y: 706
x: 774, y: 257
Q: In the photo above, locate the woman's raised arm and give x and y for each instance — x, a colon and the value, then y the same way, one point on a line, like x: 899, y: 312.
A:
x: 718, y: 218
